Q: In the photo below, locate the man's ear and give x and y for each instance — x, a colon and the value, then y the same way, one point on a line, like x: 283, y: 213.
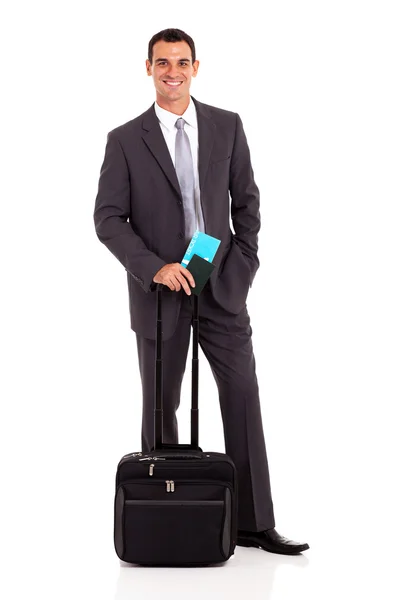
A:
x: 148, y: 67
x: 195, y: 68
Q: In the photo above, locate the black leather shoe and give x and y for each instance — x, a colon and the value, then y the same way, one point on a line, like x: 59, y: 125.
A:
x: 269, y: 540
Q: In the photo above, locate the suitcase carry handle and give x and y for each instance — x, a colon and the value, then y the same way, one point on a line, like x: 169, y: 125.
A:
x: 158, y: 410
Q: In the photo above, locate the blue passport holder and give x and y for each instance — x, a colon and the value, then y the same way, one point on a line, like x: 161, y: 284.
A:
x: 202, y: 244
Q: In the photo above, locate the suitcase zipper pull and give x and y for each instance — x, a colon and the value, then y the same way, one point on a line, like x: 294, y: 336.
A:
x: 168, y: 486
x: 151, y: 470
x: 172, y: 486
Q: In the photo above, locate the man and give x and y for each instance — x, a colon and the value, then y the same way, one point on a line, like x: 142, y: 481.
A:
x: 165, y: 174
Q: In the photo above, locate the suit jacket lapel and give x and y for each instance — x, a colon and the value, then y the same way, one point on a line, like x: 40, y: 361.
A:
x: 153, y: 137
x: 155, y: 141
x: 206, y: 139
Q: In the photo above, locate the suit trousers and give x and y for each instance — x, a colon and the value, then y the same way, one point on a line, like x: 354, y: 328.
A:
x: 225, y: 340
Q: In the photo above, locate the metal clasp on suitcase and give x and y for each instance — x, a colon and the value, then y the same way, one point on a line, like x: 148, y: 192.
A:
x: 151, y: 467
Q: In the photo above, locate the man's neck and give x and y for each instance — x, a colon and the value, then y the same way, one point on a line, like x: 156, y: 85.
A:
x: 178, y: 107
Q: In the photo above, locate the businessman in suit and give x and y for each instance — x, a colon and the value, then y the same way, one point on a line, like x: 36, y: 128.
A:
x: 179, y: 167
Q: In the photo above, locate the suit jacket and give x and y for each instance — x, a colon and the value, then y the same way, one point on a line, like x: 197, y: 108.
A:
x: 139, y: 211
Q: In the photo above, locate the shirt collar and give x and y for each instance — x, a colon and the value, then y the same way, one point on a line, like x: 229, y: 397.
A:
x: 168, y: 119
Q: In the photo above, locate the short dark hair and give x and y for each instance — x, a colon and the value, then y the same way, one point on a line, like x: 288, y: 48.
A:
x: 171, y: 35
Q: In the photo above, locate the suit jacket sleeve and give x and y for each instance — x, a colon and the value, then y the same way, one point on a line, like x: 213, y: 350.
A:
x: 111, y: 214
x: 245, y: 200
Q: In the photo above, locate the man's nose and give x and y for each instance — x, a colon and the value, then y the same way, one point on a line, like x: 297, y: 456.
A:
x: 173, y: 72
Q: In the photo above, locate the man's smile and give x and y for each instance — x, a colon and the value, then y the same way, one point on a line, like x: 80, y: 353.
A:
x: 172, y: 83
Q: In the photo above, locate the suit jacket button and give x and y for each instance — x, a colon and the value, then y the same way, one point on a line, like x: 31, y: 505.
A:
x: 180, y: 235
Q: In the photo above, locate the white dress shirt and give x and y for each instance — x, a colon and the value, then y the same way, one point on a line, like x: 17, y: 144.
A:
x: 167, y: 122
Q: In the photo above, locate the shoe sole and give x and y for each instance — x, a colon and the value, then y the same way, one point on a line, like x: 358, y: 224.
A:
x: 254, y: 544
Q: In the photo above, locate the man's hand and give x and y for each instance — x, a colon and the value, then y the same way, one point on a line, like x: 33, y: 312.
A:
x: 175, y: 276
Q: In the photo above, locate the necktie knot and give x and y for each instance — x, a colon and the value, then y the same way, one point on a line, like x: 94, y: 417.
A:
x: 180, y: 123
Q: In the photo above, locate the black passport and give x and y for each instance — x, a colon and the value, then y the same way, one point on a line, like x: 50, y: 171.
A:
x: 201, y: 270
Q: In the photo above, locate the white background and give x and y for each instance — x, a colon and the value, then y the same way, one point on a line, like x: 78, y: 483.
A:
x: 316, y: 84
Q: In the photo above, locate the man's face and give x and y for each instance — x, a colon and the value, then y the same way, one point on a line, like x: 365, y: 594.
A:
x: 172, y: 70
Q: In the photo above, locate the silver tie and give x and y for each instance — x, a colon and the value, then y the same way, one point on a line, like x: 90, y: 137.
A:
x: 185, y: 174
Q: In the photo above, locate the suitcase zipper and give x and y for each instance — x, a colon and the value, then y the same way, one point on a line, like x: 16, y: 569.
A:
x: 170, y: 483
x: 164, y: 503
x: 136, y: 454
x: 183, y: 463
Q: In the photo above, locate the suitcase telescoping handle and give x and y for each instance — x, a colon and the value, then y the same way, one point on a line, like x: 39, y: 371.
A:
x: 158, y: 410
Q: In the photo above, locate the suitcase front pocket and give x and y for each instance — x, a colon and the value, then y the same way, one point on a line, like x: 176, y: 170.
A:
x: 164, y: 531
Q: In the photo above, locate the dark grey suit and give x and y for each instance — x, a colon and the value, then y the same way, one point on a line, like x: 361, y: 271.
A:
x: 139, y: 217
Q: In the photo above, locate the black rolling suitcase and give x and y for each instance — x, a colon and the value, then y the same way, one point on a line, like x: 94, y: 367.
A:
x: 177, y: 505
